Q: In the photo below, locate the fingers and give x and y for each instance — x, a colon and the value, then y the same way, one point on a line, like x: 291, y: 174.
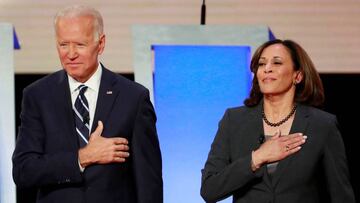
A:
x: 120, y: 156
x: 296, y: 139
x: 293, y: 150
x: 291, y: 137
x: 120, y: 140
x: 277, y: 134
x: 120, y: 143
x: 99, y: 129
x: 104, y: 150
x: 119, y: 159
x: 294, y: 142
x: 121, y: 147
x: 279, y: 147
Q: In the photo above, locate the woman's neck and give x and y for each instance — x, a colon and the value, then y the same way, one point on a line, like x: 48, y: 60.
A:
x: 277, y: 111
x: 277, y: 107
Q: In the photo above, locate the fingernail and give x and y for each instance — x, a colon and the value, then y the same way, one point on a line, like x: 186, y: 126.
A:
x: 305, y: 137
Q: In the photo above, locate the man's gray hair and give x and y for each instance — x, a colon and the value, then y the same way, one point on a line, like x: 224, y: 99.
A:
x: 79, y: 11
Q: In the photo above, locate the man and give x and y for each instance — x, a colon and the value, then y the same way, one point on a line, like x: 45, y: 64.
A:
x: 86, y: 133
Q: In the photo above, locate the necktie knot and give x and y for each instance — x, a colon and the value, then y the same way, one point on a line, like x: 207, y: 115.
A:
x: 82, y: 89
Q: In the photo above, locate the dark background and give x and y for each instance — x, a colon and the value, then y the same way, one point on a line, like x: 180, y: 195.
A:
x: 341, y: 100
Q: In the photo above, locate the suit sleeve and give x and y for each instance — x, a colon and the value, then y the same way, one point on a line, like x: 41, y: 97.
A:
x: 146, y: 154
x: 222, y: 176
x: 33, y: 166
x: 335, y: 165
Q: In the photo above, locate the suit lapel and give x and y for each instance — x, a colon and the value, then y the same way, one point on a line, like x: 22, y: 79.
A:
x: 299, y: 125
x: 62, y: 102
x: 256, y: 131
x: 106, y: 97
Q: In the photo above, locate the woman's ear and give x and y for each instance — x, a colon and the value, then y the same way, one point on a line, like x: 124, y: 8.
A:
x: 298, y: 77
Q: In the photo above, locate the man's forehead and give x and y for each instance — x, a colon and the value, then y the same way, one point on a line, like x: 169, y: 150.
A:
x: 74, y: 19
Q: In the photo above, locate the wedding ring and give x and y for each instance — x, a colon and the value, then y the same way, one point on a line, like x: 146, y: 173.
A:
x: 287, y: 147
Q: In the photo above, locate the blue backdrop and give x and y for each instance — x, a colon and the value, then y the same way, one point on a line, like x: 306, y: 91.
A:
x: 193, y: 85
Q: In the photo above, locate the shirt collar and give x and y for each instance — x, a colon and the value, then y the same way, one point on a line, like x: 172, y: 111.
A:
x: 92, y: 83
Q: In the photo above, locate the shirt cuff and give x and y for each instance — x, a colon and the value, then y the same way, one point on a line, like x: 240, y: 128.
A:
x: 82, y: 169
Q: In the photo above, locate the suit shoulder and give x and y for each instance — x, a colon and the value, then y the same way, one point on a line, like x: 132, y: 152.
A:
x: 133, y: 86
x: 241, y: 110
x: 320, y: 117
x: 45, y: 83
x: 239, y: 113
x: 319, y: 114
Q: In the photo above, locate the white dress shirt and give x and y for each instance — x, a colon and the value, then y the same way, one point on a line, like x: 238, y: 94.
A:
x: 91, y: 94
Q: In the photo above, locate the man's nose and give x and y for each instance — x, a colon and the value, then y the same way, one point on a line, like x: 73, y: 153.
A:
x: 72, y: 53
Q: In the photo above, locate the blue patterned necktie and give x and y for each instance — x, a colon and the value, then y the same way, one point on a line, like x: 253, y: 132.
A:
x: 81, y: 110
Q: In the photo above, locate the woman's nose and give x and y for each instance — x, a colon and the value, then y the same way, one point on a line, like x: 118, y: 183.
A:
x: 268, y: 68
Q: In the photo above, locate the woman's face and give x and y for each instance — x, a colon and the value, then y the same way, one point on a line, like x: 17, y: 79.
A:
x: 276, y: 74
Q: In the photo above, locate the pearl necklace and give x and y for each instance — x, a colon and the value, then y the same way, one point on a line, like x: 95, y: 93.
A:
x: 280, y: 122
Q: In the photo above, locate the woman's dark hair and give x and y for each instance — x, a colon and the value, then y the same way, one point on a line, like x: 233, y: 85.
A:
x: 309, y: 91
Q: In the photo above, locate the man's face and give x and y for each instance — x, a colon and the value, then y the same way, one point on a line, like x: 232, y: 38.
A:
x: 77, y: 47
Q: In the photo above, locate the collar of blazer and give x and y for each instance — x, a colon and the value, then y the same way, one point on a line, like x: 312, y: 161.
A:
x: 108, y: 92
x: 299, y: 124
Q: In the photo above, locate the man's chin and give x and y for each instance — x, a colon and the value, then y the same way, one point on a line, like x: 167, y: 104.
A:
x: 75, y: 75
x: 72, y: 67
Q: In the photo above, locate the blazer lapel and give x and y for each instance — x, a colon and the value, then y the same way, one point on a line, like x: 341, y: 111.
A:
x: 299, y: 125
x: 62, y: 100
x: 256, y: 131
x: 106, y: 97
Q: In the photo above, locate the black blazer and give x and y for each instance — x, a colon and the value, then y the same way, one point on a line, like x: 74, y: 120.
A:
x: 301, y: 177
x: 46, y: 153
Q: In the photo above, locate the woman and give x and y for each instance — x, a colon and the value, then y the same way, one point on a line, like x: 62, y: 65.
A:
x: 278, y: 147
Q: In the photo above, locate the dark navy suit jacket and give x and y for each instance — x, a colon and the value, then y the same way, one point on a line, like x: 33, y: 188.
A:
x: 320, y: 166
x: 46, y: 153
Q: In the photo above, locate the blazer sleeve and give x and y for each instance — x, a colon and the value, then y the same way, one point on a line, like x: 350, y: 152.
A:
x: 335, y: 166
x: 222, y: 176
x: 146, y: 154
x: 33, y: 166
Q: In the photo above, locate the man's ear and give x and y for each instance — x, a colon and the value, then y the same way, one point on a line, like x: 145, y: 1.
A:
x: 101, y: 44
